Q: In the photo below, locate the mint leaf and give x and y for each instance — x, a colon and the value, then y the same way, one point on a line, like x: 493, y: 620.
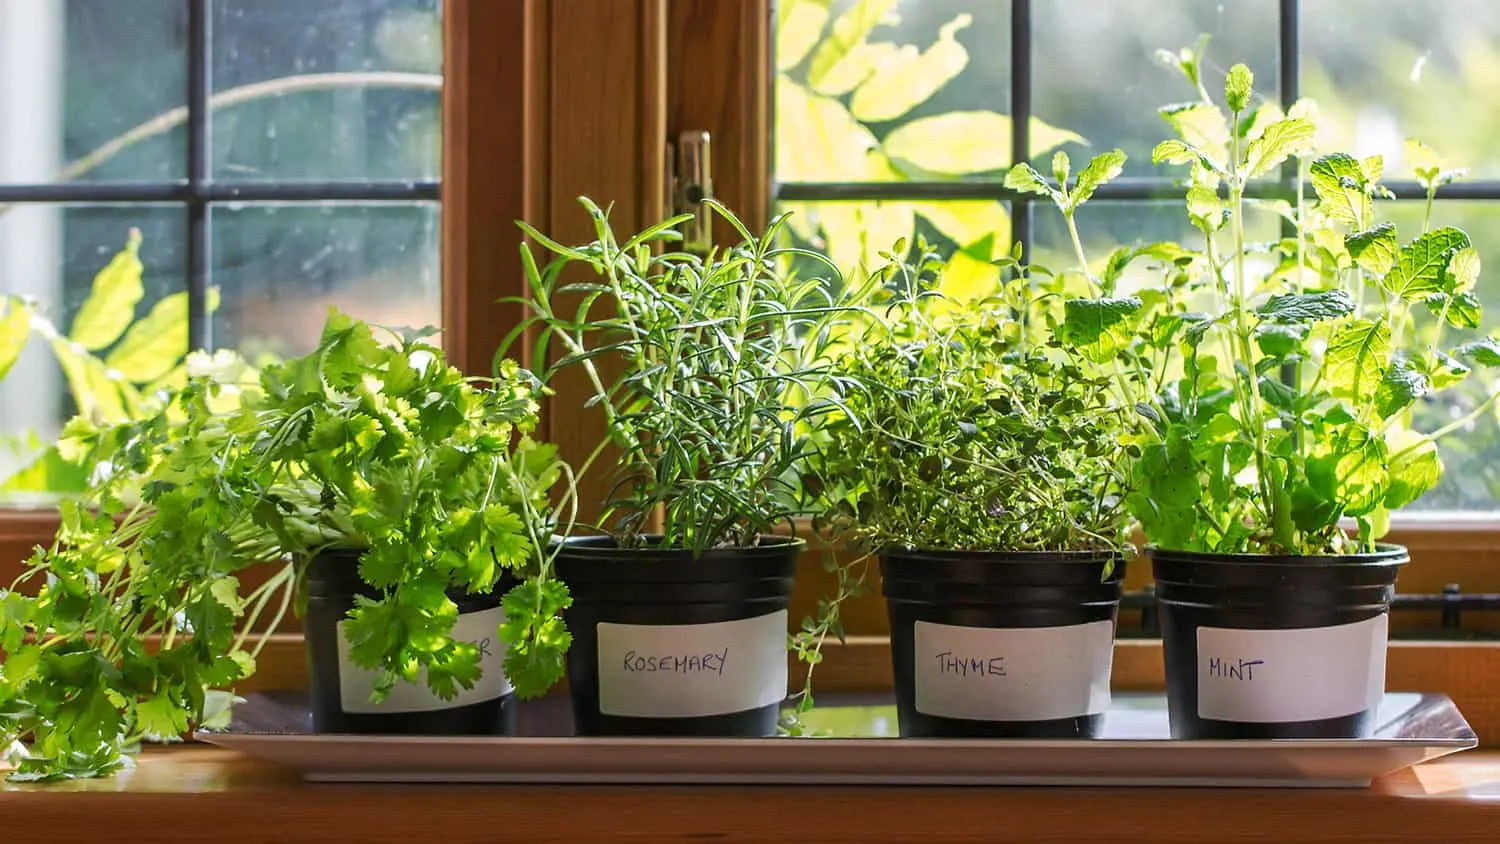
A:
x: 1101, y: 169
x: 1024, y: 178
x: 1280, y: 140
x: 1463, y: 270
x: 1349, y: 466
x: 1355, y: 360
x: 1205, y: 209
x: 1199, y: 124
x: 1339, y: 182
x: 1180, y: 152
x: 1373, y: 249
x: 1238, y: 86
x: 1278, y: 341
x: 1422, y: 265
x: 1414, y: 470
x: 1460, y: 311
x: 1307, y: 307
x: 1098, y: 325
x: 1485, y: 352
x: 1402, y: 384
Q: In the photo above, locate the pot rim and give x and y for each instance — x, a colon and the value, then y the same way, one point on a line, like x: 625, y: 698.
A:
x: 1386, y: 553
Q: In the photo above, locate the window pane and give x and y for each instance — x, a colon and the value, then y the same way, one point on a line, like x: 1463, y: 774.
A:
x: 919, y: 92
x: 1095, y: 71
x: 279, y: 268
x: 326, y: 89
x: 52, y: 253
x: 77, y: 75
x: 1385, y: 70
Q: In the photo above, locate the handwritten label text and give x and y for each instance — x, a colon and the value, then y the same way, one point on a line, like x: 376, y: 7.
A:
x: 1228, y: 669
x: 709, y: 663
x: 970, y: 666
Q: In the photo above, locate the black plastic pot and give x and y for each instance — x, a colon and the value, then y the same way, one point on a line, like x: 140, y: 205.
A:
x: 996, y: 644
x: 1260, y: 646
x: 667, y: 644
x: 340, y: 690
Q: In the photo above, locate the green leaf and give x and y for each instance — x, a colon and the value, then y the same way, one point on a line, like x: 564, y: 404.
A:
x: 1463, y: 270
x: 1422, y: 265
x: 1277, y: 340
x: 1200, y: 125
x: 963, y: 142
x: 111, y: 303
x: 904, y: 82
x: 1101, y: 169
x: 1402, y: 384
x: 1355, y: 360
x: 799, y: 26
x: 1349, y: 466
x: 15, y: 329
x: 1415, y: 468
x: 1205, y: 209
x: 1238, y: 86
x: 850, y: 30
x: 1024, y: 178
x: 1098, y: 326
x: 1483, y: 352
x: 968, y: 221
x: 1307, y: 307
x: 1339, y: 182
x: 1373, y: 249
x: 1178, y: 152
x: 817, y: 139
x: 1280, y: 140
x: 160, y: 718
x: 1460, y: 311
x: 1428, y: 168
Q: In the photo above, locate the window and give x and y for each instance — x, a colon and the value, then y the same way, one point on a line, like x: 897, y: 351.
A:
x: 276, y: 156
x: 896, y: 117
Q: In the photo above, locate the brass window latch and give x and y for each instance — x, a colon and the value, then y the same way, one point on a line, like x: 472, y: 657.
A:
x: 690, y: 181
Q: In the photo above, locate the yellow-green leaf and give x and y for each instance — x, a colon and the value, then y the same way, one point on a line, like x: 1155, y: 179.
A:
x: 862, y: 63
x: 967, y: 221
x: 155, y: 344
x: 98, y: 396
x: 966, y: 278
x: 111, y: 304
x: 963, y: 142
x: 15, y: 329
x: 817, y: 140
x: 799, y: 25
x: 855, y: 233
x: 850, y: 30
x: 906, y: 80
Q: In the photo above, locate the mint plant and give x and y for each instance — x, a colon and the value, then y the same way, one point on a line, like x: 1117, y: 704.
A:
x: 380, y: 447
x: 1274, y: 382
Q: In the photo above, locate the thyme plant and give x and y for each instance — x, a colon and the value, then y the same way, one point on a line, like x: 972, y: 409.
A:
x: 713, y: 372
x: 1275, y: 381
x: 969, y: 431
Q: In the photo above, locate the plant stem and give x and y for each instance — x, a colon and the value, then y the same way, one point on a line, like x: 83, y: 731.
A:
x: 1451, y: 426
x: 1242, y: 328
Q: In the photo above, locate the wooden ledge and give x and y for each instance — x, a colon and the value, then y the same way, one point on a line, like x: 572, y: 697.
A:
x: 236, y: 799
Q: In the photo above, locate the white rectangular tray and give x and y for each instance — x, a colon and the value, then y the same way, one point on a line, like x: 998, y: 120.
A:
x: 1133, y: 750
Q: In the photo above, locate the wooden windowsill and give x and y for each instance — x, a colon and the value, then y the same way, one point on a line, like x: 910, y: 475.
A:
x: 236, y: 799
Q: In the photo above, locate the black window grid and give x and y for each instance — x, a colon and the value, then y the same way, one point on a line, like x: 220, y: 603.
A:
x: 1136, y: 189
x: 200, y: 191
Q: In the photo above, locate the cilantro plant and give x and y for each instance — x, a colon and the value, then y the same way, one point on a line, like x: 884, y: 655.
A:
x: 380, y: 447
x: 1275, y: 381
x: 712, y: 372
x: 968, y: 431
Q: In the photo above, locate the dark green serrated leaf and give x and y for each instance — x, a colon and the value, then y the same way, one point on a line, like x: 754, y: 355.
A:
x: 1307, y: 307
x: 1402, y: 384
x: 1485, y: 352
x: 1460, y: 311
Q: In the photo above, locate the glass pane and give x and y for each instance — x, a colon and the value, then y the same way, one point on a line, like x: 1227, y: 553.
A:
x: 1385, y: 70
x: 77, y: 76
x: 326, y: 89
x: 52, y: 254
x: 279, y: 268
x: 1096, y: 74
x: 968, y: 233
x: 879, y: 91
x: 1471, y: 455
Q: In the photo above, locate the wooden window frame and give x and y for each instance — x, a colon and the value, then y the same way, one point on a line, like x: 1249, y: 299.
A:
x: 548, y: 100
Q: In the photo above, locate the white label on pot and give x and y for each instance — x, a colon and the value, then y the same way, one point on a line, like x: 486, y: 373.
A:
x: 691, y: 670
x: 1279, y: 676
x: 1013, y: 673
x: 481, y: 628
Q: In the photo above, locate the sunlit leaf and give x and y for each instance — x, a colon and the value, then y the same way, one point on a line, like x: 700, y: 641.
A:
x: 849, y: 30
x: 967, y: 221
x: 904, y: 81
x: 15, y: 329
x: 818, y: 140
x: 1422, y: 265
x: 799, y: 25
x: 1354, y: 362
x: 111, y: 303
x: 962, y: 142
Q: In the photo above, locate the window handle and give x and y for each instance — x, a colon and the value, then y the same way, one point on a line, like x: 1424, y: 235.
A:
x: 691, y: 173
